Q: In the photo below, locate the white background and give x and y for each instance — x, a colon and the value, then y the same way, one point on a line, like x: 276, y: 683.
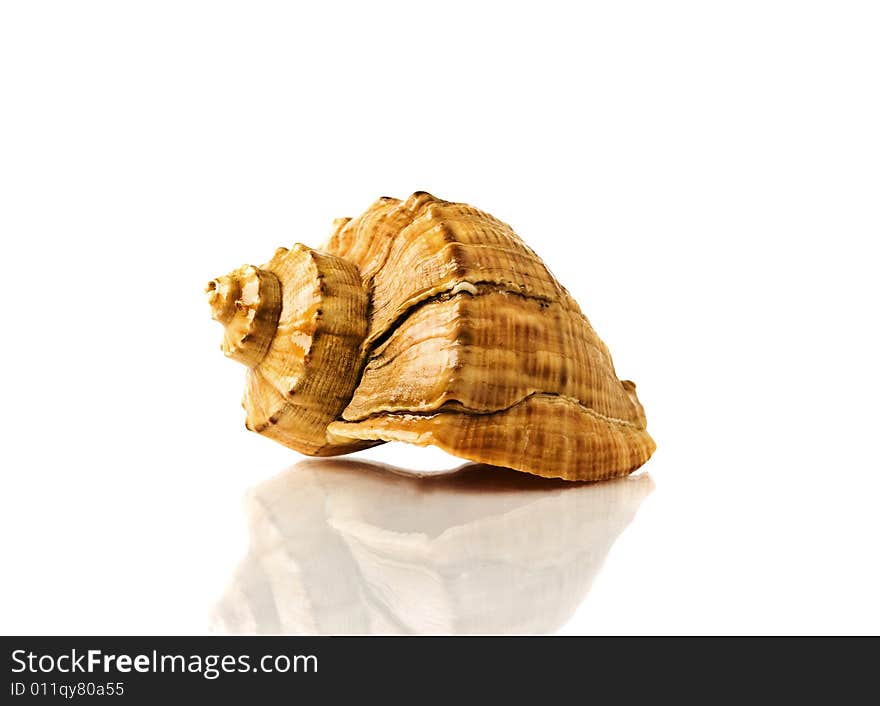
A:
x: 703, y: 177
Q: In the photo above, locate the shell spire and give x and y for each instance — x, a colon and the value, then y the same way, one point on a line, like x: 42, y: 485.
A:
x: 247, y: 302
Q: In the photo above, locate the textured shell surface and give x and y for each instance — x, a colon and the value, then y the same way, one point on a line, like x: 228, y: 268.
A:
x: 428, y: 322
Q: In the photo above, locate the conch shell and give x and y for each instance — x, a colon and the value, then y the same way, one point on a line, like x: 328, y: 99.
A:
x: 428, y: 322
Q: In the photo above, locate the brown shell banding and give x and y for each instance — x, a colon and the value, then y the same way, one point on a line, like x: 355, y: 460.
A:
x: 431, y: 322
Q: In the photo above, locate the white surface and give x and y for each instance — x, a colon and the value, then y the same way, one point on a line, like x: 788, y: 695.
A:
x: 703, y: 177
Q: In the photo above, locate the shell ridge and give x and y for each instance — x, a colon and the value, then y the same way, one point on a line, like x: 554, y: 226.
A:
x: 475, y: 412
x: 444, y: 295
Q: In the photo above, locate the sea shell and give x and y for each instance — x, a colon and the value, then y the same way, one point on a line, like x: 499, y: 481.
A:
x: 338, y: 546
x: 428, y: 322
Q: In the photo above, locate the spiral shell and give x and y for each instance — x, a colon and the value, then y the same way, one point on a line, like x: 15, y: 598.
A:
x: 428, y: 322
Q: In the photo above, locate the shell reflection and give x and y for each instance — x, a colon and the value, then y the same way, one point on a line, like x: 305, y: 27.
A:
x: 344, y: 546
